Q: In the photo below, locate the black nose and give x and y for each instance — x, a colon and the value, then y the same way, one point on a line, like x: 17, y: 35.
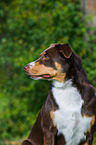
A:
x: 26, y: 67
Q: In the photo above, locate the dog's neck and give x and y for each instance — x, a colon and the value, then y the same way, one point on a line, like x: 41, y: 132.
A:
x: 62, y: 85
x: 67, y: 96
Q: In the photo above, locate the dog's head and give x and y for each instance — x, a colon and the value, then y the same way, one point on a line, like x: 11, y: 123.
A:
x: 53, y: 63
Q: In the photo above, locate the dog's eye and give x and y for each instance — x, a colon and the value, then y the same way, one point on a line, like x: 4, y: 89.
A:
x: 46, y: 57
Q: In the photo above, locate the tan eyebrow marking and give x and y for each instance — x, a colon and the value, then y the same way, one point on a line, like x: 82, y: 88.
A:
x: 43, y: 53
x: 40, y: 54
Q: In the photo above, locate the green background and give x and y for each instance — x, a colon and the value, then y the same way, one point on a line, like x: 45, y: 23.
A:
x: 27, y: 27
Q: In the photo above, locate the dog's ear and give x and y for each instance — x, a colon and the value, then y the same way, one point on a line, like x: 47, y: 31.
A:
x: 66, y: 50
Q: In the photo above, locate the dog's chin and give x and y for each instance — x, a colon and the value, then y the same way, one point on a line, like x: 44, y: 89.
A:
x: 37, y: 77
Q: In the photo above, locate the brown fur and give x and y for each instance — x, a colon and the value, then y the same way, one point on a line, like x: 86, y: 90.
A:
x: 59, y: 62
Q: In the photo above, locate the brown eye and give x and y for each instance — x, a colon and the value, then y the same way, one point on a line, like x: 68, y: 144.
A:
x: 46, y: 57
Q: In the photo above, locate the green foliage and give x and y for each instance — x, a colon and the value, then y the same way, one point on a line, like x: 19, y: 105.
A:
x: 26, y: 29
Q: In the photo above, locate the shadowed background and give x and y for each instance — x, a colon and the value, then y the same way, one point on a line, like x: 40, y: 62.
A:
x: 26, y: 29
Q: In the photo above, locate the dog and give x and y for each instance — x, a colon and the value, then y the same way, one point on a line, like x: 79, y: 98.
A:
x: 68, y: 115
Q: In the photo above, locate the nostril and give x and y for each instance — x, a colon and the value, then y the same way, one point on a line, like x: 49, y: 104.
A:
x: 26, y: 67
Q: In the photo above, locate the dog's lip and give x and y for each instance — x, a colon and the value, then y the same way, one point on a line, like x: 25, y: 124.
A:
x: 40, y: 76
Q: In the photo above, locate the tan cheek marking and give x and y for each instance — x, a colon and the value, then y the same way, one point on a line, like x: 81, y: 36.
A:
x: 44, y: 69
x: 47, y: 70
x: 60, y: 76
x: 39, y: 69
x: 58, y: 66
x: 34, y: 71
x: 52, y: 117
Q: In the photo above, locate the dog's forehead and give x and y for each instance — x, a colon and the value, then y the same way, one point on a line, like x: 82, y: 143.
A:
x: 52, y: 46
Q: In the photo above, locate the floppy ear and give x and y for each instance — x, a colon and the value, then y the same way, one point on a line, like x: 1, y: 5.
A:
x: 66, y: 50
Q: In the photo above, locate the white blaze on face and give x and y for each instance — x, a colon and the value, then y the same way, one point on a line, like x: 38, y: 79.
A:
x: 32, y: 64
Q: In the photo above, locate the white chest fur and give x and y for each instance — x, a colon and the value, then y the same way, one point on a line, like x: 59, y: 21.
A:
x: 68, y: 117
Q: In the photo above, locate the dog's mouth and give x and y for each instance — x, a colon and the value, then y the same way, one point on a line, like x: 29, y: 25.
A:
x: 46, y: 76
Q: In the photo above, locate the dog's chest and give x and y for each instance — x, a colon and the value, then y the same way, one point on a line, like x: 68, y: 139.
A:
x: 68, y: 117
